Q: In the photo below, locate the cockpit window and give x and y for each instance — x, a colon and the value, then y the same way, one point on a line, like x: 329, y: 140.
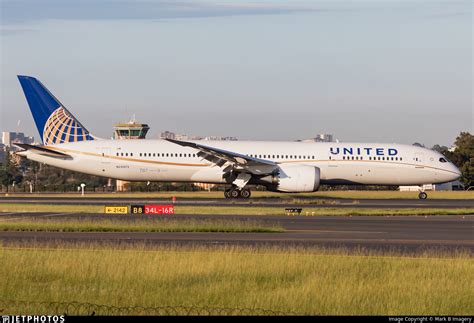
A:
x: 443, y: 160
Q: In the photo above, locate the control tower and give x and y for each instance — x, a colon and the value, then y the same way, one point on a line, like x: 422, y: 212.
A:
x: 129, y: 130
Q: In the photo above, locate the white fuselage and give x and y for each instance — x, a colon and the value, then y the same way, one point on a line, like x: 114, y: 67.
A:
x: 339, y: 163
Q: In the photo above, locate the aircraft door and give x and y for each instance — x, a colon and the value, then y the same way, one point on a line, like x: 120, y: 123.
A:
x: 105, y: 160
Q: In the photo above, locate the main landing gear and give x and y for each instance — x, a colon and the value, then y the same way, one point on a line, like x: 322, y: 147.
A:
x: 234, y: 192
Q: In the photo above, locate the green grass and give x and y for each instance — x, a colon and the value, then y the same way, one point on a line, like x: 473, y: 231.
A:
x: 318, y: 282
x: 265, y: 194
x: 240, y: 210
x: 79, y: 208
x: 133, y: 225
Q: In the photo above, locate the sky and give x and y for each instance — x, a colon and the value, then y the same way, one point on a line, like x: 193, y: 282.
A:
x: 364, y: 71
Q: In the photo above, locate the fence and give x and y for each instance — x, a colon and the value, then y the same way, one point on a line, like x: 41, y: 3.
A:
x: 14, y: 307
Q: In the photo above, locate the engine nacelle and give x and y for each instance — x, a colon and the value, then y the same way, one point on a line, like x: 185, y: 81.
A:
x: 294, y: 179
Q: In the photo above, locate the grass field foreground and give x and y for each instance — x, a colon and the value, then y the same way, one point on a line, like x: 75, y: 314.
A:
x: 289, y: 281
x: 133, y: 225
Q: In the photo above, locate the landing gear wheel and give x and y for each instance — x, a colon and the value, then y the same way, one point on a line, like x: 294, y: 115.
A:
x: 422, y: 196
x: 227, y: 193
x: 245, y: 193
x: 234, y: 193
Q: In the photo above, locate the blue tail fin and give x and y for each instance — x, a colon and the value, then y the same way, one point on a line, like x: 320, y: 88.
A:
x: 54, y: 122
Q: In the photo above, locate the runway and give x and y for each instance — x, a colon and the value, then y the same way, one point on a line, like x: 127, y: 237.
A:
x: 260, y: 202
x: 405, y: 234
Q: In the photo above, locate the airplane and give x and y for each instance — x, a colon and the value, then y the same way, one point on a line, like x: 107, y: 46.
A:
x: 279, y: 166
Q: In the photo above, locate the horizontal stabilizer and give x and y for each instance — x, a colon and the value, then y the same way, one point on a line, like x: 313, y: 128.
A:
x: 42, y: 150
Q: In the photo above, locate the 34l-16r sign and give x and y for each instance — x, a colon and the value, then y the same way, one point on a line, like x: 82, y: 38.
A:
x: 152, y: 209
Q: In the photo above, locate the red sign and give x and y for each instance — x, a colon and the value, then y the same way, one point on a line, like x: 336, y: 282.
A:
x: 159, y: 209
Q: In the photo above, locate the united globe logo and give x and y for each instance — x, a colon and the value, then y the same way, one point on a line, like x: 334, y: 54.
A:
x: 62, y: 127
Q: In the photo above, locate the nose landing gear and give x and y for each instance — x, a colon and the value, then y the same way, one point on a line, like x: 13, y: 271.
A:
x: 422, y: 195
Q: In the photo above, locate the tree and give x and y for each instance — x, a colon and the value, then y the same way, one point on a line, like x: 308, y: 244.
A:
x: 440, y: 149
x: 7, y: 170
x: 463, y: 157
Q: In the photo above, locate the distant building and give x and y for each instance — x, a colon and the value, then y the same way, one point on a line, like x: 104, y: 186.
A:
x: 167, y: 135
x: 452, y: 148
x: 10, y: 138
x: 323, y: 137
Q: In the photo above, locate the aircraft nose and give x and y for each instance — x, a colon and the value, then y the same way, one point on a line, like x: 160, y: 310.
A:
x: 456, y: 172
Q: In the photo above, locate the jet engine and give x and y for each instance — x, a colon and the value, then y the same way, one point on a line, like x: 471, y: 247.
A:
x: 294, y: 179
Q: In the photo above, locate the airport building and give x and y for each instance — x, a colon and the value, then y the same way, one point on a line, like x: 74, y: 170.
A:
x: 323, y: 137
x: 10, y: 138
x: 125, y: 131
x: 130, y: 130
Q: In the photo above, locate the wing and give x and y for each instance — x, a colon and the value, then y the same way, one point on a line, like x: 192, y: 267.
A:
x: 236, y: 161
